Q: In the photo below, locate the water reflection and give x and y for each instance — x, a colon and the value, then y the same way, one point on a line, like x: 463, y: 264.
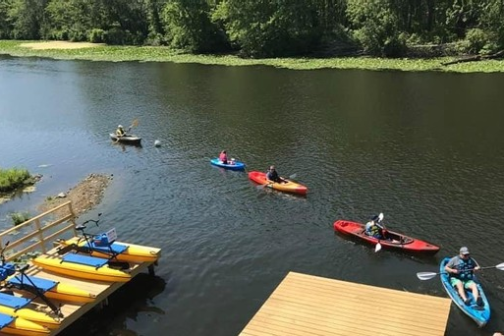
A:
x: 128, y: 303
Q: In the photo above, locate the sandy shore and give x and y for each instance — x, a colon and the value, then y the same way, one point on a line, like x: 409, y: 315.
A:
x: 60, y: 45
x: 86, y: 195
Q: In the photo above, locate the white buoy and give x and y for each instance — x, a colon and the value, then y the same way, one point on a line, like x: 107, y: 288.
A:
x: 157, y: 143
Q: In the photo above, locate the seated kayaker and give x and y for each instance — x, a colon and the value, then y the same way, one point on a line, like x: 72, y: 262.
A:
x: 461, y: 270
x: 223, y: 157
x: 120, y: 131
x: 273, y: 176
x: 374, y: 229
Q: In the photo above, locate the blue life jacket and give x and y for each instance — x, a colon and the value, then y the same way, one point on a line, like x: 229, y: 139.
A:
x: 465, y: 269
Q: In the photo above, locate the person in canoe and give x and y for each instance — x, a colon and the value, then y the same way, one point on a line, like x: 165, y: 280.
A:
x: 120, y: 131
x: 273, y: 176
x: 374, y: 229
x: 461, y: 270
x: 223, y: 157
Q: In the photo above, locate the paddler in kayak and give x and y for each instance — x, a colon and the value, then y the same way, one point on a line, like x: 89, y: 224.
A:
x: 374, y: 229
x: 273, y: 176
x: 461, y: 270
x: 120, y: 131
x: 223, y: 157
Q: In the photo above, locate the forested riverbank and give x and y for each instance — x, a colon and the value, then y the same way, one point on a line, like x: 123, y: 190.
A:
x: 266, y: 28
x: 98, y: 52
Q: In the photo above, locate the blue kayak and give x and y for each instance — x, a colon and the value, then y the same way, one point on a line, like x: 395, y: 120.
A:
x: 480, y: 315
x: 236, y: 166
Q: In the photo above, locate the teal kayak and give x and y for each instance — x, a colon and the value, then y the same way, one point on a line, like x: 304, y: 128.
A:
x: 480, y: 315
x: 237, y: 165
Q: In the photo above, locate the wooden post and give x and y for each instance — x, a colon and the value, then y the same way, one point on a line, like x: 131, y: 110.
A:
x: 73, y: 218
x: 41, y: 234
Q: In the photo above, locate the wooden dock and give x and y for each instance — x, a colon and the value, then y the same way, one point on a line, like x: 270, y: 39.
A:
x: 308, y: 305
x: 39, y: 234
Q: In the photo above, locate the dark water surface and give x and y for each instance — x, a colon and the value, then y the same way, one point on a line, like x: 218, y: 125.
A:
x: 424, y: 148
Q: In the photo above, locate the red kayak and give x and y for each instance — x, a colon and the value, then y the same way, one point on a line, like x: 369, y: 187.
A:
x: 393, y: 240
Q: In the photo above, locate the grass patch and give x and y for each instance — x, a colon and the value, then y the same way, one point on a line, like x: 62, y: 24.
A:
x: 165, y: 54
x: 20, y: 217
x: 13, y: 178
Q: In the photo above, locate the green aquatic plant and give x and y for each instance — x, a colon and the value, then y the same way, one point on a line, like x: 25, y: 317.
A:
x: 20, y: 217
x: 13, y: 178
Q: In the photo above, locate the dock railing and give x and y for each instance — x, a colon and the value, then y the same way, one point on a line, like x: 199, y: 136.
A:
x: 36, y: 233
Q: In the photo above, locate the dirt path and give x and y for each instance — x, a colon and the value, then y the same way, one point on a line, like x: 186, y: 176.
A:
x: 59, y: 45
x: 86, y: 195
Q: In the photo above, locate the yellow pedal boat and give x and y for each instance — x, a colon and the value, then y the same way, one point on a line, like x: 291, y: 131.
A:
x: 125, y: 252
x: 84, y: 267
x: 19, y: 326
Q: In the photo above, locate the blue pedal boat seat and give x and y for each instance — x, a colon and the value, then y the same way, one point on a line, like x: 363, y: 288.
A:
x: 116, y: 248
x: 5, y: 320
x: 43, y: 285
x: 84, y: 260
x: 12, y: 301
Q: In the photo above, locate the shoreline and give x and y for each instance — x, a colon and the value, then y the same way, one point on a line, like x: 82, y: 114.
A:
x: 87, y: 194
x: 63, y: 50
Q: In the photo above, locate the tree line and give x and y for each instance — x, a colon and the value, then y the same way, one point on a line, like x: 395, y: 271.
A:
x: 264, y: 28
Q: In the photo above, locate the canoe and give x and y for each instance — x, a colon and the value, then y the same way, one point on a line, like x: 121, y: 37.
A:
x: 15, y: 306
x: 83, y: 267
x: 480, y: 315
x: 125, y: 252
x: 236, y: 166
x: 127, y: 139
x: 394, y: 240
x: 289, y: 186
x: 19, y: 326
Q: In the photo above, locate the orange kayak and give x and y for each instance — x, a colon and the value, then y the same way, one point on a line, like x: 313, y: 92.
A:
x: 288, y: 186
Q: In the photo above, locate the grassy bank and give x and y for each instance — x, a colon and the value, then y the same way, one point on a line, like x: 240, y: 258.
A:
x: 164, y: 54
x: 13, y: 178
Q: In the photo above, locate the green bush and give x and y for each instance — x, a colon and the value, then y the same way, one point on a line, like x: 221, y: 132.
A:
x: 96, y: 35
x: 11, y: 179
x: 476, y: 40
x: 20, y: 217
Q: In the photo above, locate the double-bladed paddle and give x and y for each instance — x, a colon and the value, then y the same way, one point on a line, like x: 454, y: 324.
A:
x: 430, y: 275
x: 378, y: 246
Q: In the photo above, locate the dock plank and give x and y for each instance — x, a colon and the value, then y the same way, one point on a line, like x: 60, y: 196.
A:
x: 308, y: 305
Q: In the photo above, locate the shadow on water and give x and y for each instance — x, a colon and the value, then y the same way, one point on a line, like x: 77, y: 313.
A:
x: 126, y: 303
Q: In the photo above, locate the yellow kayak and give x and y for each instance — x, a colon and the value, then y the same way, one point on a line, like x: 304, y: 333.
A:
x: 84, y: 267
x: 126, y: 252
x: 286, y: 186
x: 20, y: 326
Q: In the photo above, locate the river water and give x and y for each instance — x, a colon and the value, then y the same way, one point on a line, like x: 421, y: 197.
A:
x: 426, y: 149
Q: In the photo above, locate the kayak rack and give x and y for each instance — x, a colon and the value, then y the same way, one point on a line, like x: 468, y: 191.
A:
x: 304, y: 304
x: 39, y: 235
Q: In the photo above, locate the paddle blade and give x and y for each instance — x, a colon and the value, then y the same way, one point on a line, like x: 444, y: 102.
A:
x: 380, y: 216
x: 426, y: 275
x: 134, y: 123
x: 377, y: 247
x: 499, y: 267
x: 292, y: 177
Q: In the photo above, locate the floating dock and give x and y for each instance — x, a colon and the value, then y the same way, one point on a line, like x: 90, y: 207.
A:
x: 304, y: 305
x: 39, y: 234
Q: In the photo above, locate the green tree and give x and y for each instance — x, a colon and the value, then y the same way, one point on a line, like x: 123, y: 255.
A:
x: 270, y: 28
x: 188, y: 26
x: 27, y: 18
x: 5, y: 22
x: 377, y: 26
